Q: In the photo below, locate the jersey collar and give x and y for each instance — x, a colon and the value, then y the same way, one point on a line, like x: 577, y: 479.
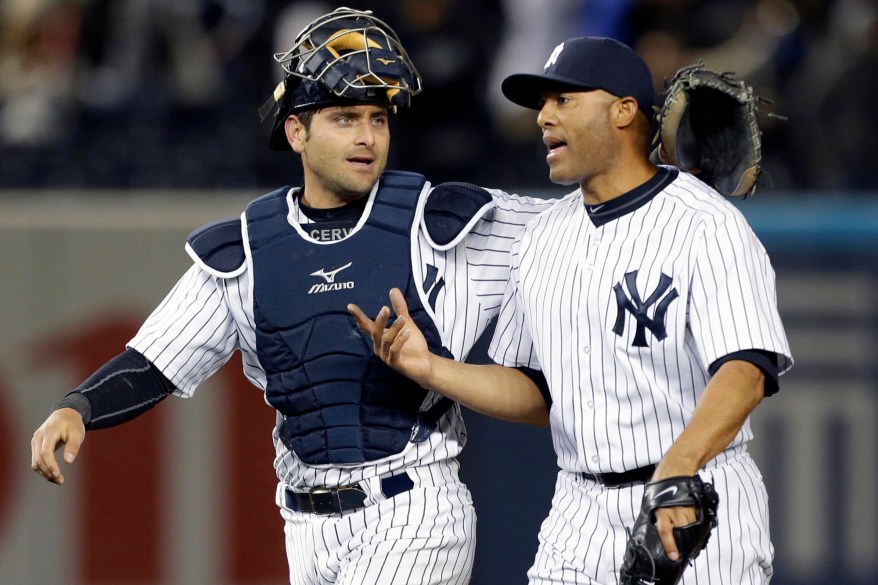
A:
x: 632, y: 200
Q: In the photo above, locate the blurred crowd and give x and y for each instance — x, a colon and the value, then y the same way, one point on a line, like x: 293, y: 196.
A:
x: 164, y: 93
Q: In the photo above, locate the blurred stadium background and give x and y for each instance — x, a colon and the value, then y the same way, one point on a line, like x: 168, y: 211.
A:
x: 124, y: 124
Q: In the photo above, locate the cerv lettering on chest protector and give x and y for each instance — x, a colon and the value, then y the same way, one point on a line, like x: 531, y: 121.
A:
x: 322, y: 233
x: 340, y: 403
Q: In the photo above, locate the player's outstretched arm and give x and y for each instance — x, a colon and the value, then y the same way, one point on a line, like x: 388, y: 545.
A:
x: 492, y: 390
x: 122, y: 389
x: 63, y: 427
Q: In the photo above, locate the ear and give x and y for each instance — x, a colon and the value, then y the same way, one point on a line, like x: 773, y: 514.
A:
x: 296, y: 133
x: 624, y: 112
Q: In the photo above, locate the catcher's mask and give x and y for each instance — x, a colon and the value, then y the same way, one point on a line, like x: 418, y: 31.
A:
x: 344, y: 57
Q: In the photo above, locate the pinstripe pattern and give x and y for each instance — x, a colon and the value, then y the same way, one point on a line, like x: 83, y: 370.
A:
x: 205, y: 318
x: 583, y: 539
x: 619, y: 405
x: 420, y: 536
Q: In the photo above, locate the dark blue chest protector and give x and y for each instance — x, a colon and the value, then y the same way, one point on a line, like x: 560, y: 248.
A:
x: 340, y: 403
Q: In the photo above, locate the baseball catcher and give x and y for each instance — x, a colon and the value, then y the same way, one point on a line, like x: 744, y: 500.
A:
x: 345, y: 54
x: 645, y: 558
x: 708, y: 126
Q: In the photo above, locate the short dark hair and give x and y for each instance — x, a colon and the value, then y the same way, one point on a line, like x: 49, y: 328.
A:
x: 305, y: 118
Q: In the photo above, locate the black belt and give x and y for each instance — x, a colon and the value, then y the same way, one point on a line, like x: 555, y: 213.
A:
x: 639, y: 475
x: 325, y: 500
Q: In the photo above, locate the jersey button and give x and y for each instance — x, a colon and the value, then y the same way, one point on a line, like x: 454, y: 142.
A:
x: 590, y: 403
x: 586, y: 349
x: 594, y: 459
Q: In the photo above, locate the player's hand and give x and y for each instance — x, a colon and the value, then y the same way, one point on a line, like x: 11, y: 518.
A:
x: 63, y: 427
x: 666, y: 519
x: 402, y: 345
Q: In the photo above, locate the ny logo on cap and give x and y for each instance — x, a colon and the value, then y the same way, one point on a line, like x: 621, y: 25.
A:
x: 638, y: 308
x: 554, y: 56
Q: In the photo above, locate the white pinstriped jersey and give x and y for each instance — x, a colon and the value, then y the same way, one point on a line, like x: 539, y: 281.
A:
x: 206, y: 317
x: 589, y: 306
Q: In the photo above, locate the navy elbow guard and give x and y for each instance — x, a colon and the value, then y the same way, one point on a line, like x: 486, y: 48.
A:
x: 125, y: 387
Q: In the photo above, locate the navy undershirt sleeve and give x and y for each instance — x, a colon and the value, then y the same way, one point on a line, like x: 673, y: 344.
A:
x: 122, y: 389
x: 537, y: 377
x: 764, y: 360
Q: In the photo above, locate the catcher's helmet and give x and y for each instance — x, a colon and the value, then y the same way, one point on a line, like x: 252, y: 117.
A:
x: 342, y: 57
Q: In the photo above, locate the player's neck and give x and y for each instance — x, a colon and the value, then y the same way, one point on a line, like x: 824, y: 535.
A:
x: 616, y: 181
x: 316, y: 198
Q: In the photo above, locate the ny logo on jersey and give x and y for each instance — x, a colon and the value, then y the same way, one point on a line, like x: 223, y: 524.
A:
x: 432, y: 284
x: 638, y: 308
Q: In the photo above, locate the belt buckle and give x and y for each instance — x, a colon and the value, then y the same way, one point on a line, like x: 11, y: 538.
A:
x: 321, y: 506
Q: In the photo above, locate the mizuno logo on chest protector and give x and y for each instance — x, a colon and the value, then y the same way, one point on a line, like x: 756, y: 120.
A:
x: 638, y: 308
x: 329, y: 277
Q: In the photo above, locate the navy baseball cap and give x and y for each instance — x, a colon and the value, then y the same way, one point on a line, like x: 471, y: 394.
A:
x: 586, y: 63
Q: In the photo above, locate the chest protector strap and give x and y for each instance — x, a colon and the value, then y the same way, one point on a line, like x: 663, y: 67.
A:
x: 340, y: 403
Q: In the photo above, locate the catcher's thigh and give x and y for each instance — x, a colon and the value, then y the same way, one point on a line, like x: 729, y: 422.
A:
x: 426, y: 535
